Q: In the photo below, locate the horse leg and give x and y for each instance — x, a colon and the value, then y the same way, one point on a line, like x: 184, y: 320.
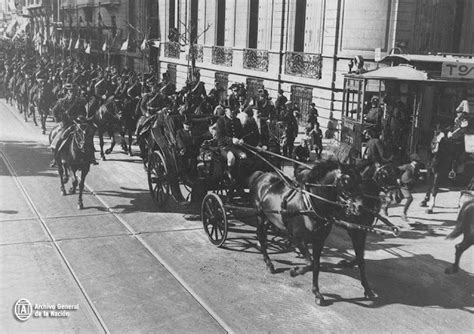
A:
x: 460, y: 248
x: 72, y: 191
x: 434, y: 192
x: 60, y: 172
x: 101, y: 144
x: 25, y: 111
x: 262, y: 238
x: 307, y: 256
x: 319, y: 237
x: 43, y: 121
x: 33, y: 114
x: 358, y: 241
x: 84, y: 172
x: 130, y: 132
x: 112, y: 142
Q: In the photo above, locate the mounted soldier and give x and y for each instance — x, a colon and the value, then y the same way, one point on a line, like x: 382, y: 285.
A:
x: 69, y: 108
x: 166, y: 87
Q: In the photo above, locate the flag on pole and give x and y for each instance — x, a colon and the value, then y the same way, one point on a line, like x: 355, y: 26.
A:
x: 11, y: 5
x: 125, y: 44
x: 70, y: 43
x: 88, y: 48
x: 155, y: 43
x: 78, y: 43
x: 144, y: 44
x: 104, y: 47
x: 85, y: 44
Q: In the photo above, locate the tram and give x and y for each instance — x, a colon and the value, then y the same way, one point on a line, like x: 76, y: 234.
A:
x: 416, y: 95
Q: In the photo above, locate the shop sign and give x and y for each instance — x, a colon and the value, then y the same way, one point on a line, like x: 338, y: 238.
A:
x: 457, y: 70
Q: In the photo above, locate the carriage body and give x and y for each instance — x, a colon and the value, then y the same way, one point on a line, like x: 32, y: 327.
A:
x: 168, y: 173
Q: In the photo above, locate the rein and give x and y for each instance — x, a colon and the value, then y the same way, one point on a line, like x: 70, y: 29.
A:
x: 291, y: 184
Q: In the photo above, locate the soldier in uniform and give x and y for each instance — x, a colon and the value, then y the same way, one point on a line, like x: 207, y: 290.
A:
x: 70, y: 108
x: 167, y: 87
x: 146, y: 109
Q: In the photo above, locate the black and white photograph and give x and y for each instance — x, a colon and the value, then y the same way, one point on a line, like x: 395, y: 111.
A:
x: 237, y: 166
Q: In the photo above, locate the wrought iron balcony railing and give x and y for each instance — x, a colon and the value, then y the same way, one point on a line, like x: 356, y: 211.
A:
x: 172, y: 49
x: 198, y: 51
x: 302, y: 64
x: 256, y: 60
x: 222, y: 55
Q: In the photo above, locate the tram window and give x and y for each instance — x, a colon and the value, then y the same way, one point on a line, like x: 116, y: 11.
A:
x: 352, y: 107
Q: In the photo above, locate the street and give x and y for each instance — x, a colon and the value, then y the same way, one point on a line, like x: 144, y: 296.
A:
x: 131, y: 268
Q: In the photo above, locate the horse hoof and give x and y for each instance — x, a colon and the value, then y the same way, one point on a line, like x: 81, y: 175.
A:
x: 108, y: 151
x: 345, y: 264
x: 429, y: 211
x: 103, y: 158
x: 271, y: 269
x: 80, y: 206
x: 450, y: 270
x: 321, y: 301
x: 294, y: 272
x: 423, y: 204
x: 63, y: 192
x: 72, y: 191
x: 370, y: 295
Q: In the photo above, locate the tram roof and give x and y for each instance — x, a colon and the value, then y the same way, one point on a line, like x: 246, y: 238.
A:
x: 440, y: 58
x: 401, y: 72
x: 404, y: 72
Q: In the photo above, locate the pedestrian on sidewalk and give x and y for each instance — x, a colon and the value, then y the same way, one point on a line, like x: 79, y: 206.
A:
x: 407, y: 181
x: 312, y: 115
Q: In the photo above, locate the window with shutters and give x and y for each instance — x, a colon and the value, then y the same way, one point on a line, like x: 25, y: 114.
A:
x: 300, y: 22
x: 172, y: 13
x: 220, y: 31
x: 194, y: 20
x: 253, y: 24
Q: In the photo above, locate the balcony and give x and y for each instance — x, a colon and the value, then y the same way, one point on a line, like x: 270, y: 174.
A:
x: 198, y: 52
x: 302, y: 64
x: 222, y: 55
x: 172, y: 49
x: 256, y: 60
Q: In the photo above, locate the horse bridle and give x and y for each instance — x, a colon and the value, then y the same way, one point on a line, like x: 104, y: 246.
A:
x: 384, y: 188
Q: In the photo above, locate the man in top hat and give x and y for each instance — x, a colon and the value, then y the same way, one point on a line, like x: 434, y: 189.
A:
x: 67, y: 110
x: 256, y: 132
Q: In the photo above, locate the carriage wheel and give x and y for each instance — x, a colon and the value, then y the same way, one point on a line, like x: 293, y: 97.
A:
x: 157, y: 182
x: 214, y: 219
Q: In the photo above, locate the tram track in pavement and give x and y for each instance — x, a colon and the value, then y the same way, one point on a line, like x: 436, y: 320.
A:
x: 131, y: 233
x: 53, y: 241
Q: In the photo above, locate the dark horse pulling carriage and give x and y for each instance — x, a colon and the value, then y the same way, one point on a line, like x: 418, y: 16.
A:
x: 322, y: 195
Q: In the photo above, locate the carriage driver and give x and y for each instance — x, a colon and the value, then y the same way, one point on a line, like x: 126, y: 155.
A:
x: 69, y: 108
x: 228, y: 135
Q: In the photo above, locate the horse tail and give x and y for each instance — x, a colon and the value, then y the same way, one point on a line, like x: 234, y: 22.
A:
x: 465, y: 217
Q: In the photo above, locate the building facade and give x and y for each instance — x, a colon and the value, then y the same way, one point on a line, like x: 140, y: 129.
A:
x: 303, y: 46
